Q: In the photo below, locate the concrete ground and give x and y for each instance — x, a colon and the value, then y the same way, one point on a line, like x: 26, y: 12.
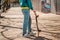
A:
x: 11, y: 25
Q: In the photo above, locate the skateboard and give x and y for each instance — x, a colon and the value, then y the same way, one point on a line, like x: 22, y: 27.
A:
x: 38, y: 30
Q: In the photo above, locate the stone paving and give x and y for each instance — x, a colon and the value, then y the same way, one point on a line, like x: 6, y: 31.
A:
x: 11, y: 26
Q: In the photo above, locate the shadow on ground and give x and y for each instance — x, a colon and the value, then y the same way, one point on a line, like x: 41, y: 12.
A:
x: 56, y: 35
x: 41, y: 38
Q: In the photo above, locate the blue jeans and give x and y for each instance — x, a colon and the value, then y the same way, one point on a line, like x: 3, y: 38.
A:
x: 27, y: 21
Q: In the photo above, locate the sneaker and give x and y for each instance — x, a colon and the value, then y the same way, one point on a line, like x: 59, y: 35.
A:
x: 32, y: 34
x: 27, y: 35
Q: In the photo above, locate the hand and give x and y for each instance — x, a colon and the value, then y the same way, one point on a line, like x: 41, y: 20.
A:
x: 35, y: 13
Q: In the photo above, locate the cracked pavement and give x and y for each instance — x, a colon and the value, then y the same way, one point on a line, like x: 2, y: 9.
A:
x: 11, y: 25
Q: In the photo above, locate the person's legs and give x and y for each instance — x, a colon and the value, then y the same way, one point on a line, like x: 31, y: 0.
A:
x: 30, y: 33
x: 29, y: 25
x: 26, y: 20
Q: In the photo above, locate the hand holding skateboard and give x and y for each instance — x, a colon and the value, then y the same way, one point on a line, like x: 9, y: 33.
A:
x: 35, y: 13
x: 36, y: 16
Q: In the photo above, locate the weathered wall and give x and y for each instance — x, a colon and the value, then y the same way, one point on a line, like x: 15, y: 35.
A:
x: 55, y: 6
x: 58, y: 6
x: 37, y: 4
x: 53, y: 9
